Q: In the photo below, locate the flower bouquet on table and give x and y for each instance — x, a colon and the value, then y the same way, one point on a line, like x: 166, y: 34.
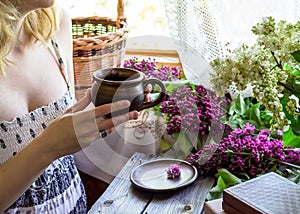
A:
x: 264, y: 129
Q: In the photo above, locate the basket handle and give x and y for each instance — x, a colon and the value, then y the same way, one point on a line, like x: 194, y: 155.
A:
x: 120, y: 10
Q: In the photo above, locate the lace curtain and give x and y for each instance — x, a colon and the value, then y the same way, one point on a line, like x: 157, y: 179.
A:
x: 201, y: 28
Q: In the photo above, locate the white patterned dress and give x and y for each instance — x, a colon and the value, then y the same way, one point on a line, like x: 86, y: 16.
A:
x: 59, y: 189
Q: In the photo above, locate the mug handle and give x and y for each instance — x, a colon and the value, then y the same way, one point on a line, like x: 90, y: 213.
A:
x: 161, y: 95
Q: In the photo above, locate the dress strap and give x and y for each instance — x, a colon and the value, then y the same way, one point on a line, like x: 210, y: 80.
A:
x: 61, y: 63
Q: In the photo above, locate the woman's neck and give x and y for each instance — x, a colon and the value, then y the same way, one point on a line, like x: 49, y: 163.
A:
x: 23, y: 40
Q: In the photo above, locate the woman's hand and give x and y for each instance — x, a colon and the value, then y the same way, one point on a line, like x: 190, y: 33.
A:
x: 78, y: 127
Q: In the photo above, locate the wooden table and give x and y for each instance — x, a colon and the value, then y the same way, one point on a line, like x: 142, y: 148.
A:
x: 123, y: 197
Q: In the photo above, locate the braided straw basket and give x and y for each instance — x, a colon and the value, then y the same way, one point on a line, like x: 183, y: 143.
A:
x: 98, y: 42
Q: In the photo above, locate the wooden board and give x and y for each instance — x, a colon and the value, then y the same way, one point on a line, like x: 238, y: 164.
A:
x: 122, y: 197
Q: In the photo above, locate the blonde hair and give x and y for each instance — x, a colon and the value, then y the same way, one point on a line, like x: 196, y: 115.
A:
x: 39, y: 24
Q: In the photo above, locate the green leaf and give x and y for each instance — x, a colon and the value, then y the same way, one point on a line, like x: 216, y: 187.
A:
x: 286, y: 66
x: 164, y: 145
x: 175, y: 84
x: 240, y: 105
x: 245, y: 175
x: 170, y: 88
x: 295, y: 124
x: 229, y: 178
x: 216, y: 191
x: 296, y: 55
x: 290, y: 139
x: 254, y: 123
x: 254, y: 115
x: 296, y: 72
x: 284, y: 102
x: 296, y: 85
x: 232, y: 108
x: 294, y: 143
x: 235, y: 121
x: 233, y: 124
x: 220, y: 185
x: 225, y: 179
x: 295, y: 179
x: 157, y: 112
x: 266, y: 116
x: 176, y: 135
x: 182, y: 146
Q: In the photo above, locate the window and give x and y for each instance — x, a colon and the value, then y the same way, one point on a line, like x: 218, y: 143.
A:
x: 144, y: 17
x: 149, y: 33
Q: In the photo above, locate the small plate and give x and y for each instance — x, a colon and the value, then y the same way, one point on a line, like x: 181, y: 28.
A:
x: 152, y: 175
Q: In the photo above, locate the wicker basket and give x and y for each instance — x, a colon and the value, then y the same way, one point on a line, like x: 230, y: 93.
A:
x: 98, y: 42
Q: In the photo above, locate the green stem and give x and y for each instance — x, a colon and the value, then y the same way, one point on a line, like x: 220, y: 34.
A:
x: 291, y: 89
x: 276, y: 60
x: 236, y: 153
x: 289, y: 164
x: 279, y: 65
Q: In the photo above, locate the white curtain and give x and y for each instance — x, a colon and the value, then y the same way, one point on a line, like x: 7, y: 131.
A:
x: 201, y: 28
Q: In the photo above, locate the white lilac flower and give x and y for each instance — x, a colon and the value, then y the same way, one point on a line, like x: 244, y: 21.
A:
x: 262, y: 65
x: 293, y: 97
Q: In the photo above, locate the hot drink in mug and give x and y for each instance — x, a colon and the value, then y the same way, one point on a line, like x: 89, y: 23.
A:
x: 114, y: 84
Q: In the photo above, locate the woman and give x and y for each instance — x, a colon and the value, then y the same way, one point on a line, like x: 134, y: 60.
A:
x: 38, y: 128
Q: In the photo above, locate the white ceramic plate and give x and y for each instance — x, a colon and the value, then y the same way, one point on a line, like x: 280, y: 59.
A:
x: 152, y: 175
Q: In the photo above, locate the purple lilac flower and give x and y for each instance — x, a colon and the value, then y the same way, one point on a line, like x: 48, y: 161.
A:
x: 173, y: 171
x: 151, y: 70
x: 192, y: 109
x: 244, y: 152
x: 293, y: 155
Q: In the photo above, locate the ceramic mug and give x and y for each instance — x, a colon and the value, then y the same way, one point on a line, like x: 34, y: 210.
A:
x: 114, y: 84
